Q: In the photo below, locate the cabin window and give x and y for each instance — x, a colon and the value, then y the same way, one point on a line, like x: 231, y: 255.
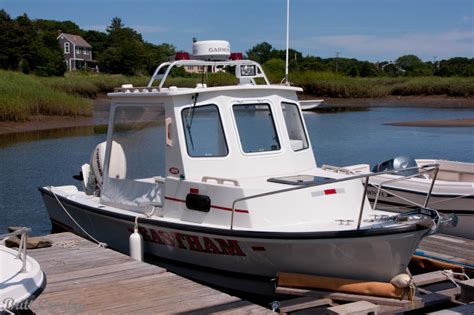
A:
x: 203, y: 131
x: 256, y: 128
x: 294, y: 125
x: 66, y: 48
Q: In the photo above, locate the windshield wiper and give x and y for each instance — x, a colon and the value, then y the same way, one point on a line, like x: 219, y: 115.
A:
x: 189, y: 119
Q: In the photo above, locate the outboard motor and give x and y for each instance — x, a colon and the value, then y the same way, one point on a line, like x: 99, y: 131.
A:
x: 398, y: 163
x: 93, y: 172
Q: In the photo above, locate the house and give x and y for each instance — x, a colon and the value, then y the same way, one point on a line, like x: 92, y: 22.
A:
x: 77, y: 52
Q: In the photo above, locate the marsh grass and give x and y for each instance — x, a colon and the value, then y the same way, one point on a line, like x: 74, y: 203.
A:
x: 24, y: 95
x: 91, y: 84
x: 328, y: 84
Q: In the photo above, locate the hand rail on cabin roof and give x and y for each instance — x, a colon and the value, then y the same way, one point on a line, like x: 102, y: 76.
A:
x: 422, y: 169
x: 169, y: 65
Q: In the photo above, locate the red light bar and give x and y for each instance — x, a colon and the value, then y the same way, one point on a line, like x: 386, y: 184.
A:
x: 181, y: 55
x: 236, y: 56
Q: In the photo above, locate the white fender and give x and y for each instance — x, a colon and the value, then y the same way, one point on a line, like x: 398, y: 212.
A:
x: 136, y: 245
x: 401, y: 281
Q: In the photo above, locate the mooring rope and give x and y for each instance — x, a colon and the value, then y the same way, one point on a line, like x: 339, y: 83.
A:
x: 100, y: 244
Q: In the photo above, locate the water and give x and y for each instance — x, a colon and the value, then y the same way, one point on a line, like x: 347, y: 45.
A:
x: 32, y: 160
x: 361, y: 137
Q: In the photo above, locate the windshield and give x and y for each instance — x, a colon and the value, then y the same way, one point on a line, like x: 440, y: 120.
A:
x: 294, y: 125
x: 256, y: 128
x: 203, y: 131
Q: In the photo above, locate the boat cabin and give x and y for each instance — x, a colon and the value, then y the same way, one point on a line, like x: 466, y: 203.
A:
x: 199, y: 149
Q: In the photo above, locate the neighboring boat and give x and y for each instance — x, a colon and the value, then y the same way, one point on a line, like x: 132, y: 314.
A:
x: 21, y: 277
x: 224, y: 179
x: 310, y: 104
x: 452, y: 192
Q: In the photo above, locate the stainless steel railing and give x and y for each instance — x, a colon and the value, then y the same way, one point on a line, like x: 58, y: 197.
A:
x: 420, y: 171
x: 22, y: 249
x: 424, y: 168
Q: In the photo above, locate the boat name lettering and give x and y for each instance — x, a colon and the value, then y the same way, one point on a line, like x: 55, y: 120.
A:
x: 372, y: 192
x: 202, y: 244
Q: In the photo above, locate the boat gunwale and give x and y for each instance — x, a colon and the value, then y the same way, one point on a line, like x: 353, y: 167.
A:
x: 437, y: 195
x: 399, y: 229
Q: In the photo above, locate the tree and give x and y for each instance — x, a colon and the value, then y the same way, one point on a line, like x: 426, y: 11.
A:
x: 115, y: 25
x: 457, y: 66
x: 156, y: 54
x: 260, y: 53
x: 413, y: 65
x: 8, y: 52
x: 126, y: 50
x: 98, y: 40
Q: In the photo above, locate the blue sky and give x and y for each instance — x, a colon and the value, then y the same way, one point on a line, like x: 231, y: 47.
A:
x: 372, y: 30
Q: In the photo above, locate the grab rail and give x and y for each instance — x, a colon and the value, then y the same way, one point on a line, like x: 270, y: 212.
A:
x: 366, y: 176
x: 22, y: 249
x: 169, y: 65
x: 422, y: 171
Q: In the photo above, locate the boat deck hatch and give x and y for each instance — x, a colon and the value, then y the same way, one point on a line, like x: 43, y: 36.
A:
x: 300, y: 180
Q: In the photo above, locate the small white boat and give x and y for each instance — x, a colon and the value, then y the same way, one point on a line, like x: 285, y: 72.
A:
x: 224, y: 179
x: 310, y: 104
x: 21, y: 277
x: 452, y: 191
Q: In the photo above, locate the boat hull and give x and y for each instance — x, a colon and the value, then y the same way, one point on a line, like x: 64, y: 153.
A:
x: 365, y: 254
x: 463, y: 208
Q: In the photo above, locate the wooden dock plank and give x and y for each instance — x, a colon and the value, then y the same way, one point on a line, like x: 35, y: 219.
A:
x: 449, y: 247
x: 83, y: 278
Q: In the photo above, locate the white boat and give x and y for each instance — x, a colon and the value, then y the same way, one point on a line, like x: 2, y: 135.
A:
x: 310, y: 104
x: 21, y: 277
x: 224, y: 179
x: 452, y: 191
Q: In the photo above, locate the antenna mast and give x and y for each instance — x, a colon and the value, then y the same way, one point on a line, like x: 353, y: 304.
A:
x: 287, y: 39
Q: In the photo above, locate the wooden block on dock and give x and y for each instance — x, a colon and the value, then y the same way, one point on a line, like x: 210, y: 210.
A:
x: 302, y: 303
x: 354, y: 308
x: 467, y: 291
x: 337, y: 296
x: 429, y: 277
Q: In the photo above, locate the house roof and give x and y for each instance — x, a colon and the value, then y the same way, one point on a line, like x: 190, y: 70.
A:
x: 76, y: 40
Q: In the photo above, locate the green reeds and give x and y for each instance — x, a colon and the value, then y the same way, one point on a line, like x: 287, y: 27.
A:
x: 329, y: 84
x: 24, y: 95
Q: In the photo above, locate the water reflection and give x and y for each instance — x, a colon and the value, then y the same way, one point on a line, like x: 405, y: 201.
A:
x: 14, y: 138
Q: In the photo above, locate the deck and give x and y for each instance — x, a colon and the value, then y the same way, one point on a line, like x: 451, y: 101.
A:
x: 84, y: 278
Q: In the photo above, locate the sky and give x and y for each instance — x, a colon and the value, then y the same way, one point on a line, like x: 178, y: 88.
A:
x: 374, y: 30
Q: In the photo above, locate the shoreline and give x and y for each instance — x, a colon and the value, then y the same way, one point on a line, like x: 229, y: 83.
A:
x: 101, y: 106
x: 433, y: 101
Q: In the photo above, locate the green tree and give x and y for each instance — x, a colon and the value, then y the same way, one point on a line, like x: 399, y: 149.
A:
x: 260, y: 53
x: 413, y: 66
x: 126, y: 51
x: 9, y: 54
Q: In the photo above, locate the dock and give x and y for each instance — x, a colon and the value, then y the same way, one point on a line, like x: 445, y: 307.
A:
x: 85, y: 278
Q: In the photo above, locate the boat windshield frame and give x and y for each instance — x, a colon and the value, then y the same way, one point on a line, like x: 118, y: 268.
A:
x: 259, y: 73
